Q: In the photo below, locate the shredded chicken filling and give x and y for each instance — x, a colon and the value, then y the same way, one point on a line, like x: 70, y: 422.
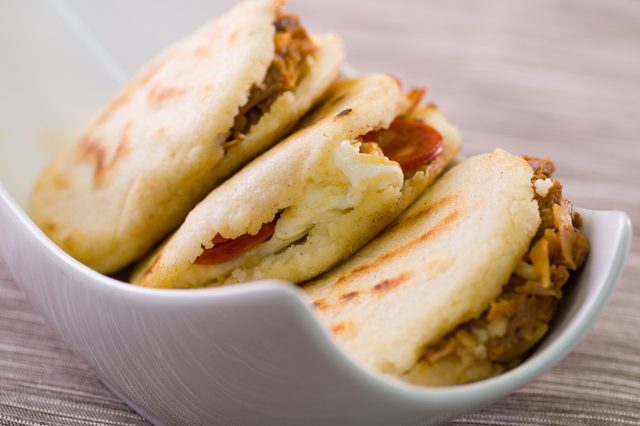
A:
x: 292, y: 46
x: 505, y: 332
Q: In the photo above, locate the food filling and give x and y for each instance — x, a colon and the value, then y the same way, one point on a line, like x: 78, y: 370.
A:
x: 292, y: 46
x: 514, y: 322
x: 225, y: 249
x: 408, y: 141
x: 353, y: 178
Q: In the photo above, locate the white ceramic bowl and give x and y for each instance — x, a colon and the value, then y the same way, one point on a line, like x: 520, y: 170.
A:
x: 248, y: 354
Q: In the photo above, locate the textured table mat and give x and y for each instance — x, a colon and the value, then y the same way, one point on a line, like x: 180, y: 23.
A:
x: 557, y: 78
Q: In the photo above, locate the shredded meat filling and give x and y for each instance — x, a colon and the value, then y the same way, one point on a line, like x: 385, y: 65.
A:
x: 292, y: 46
x: 505, y: 332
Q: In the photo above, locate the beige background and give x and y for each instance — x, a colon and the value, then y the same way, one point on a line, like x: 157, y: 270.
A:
x: 557, y: 78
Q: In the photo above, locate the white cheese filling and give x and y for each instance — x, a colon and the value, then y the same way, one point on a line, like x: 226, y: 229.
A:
x: 542, y: 186
x: 351, y: 175
x: 358, y: 173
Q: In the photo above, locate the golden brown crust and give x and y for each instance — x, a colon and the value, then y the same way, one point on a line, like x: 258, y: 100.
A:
x: 147, y: 157
x: 313, y: 167
x: 156, y: 148
x: 518, y: 319
x: 419, y: 278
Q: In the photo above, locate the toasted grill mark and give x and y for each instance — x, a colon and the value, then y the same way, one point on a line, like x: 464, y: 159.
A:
x: 338, y: 328
x: 60, y: 181
x: 438, y: 229
x: 93, y: 149
x: 399, y: 251
x: 320, y: 305
x: 124, y: 139
x: 426, y: 210
x: 150, y: 72
x: 121, y: 150
x: 149, y: 269
x: 343, y: 113
x: 348, y: 296
x: 114, y: 105
x: 344, y: 329
x: 159, y: 95
x: 233, y: 37
x: 435, y: 267
x: 389, y: 283
x: 352, y: 274
x: 127, y: 92
x: 202, y: 52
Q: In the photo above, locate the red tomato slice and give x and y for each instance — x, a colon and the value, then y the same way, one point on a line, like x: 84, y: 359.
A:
x: 225, y: 249
x: 411, y: 143
x: 219, y: 239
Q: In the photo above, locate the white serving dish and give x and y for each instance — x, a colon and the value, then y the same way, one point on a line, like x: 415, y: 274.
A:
x: 249, y: 354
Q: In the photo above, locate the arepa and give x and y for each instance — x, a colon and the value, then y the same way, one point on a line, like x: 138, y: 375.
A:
x: 465, y: 281
x: 316, y: 197
x: 184, y: 123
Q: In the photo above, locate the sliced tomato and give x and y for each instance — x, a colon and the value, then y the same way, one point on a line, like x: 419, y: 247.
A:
x: 225, y: 249
x: 411, y: 143
x: 219, y: 239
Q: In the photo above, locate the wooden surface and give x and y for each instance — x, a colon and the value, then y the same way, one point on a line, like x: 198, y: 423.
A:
x: 556, y: 78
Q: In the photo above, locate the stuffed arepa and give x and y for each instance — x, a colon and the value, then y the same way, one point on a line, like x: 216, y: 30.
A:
x: 316, y: 197
x: 185, y: 122
x: 465, y: 281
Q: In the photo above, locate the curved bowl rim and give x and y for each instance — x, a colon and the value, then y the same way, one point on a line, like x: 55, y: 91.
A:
x: 473, y: 392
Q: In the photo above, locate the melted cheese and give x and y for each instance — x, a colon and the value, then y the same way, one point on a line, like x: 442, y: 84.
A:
x: 349, y: 178
x: 357, y: 173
